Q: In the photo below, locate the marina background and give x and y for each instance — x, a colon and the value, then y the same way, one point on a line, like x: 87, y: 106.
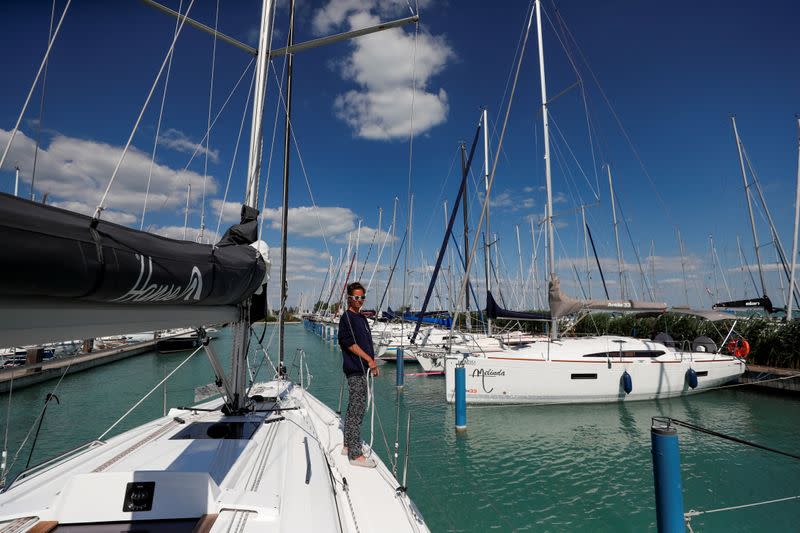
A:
x: 517, y: 468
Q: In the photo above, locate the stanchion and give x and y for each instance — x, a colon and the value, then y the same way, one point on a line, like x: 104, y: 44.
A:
x: 667, y: 477
x: 461, y: 398
x: 400, y: 368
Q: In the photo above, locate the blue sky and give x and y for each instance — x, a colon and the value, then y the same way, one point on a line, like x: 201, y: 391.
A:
x: 673, y: 75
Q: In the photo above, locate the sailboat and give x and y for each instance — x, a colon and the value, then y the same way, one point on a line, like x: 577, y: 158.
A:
x: 605, y: 368
x: 263, y: 457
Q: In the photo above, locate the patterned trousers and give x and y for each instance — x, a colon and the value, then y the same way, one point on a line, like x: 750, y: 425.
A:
x: 356, y: 405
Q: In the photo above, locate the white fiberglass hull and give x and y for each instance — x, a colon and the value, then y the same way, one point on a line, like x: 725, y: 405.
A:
x: 286, y: 474
x: 520, y: 378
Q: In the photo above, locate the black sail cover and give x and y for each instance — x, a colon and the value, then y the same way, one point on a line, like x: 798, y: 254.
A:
x: 53, y: 253
x: 753, y: 303
x: 495, y: 312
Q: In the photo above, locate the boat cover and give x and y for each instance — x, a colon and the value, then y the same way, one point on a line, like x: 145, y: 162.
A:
x: 494, y: 312
x: 562, y: 305
x: 54, y: 253
x: 751, y: 303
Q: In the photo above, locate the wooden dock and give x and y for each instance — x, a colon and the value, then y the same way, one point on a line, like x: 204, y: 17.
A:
x: 30, y: 374
x: 790, y: 381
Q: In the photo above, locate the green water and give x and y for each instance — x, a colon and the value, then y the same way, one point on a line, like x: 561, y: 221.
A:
x: 550, y: 468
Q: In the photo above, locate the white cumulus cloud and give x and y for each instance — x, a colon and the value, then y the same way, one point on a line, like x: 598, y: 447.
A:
x: 383, y: 66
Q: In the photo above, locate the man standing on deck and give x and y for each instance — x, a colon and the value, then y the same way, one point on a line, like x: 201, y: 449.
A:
x: 358, y: 360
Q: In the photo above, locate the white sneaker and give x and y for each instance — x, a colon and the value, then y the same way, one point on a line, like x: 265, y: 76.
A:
x: 366, y: 462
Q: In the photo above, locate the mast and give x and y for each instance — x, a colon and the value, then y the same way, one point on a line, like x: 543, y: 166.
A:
x: 683, y: 267
x: 586, y: 252
x: 287, y: 139
x: 450, y: 303
x: 486, y: 242
x: 465, y: 203
x: 749, y: 207
x: 616, y: 235
x: 533, y: 267
x: 241, y: 336
x: 549, y: 214
x: 519, y: 255
x: 259, y: 93
x: 394, y: 238
x: 794, y: 238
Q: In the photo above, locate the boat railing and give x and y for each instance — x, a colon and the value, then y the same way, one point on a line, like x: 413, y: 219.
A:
x: 40, y: 468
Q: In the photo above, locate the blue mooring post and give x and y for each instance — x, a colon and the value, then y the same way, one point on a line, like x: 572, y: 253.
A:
x: 461, y: 398
x: 667, y: 477
x: 400, y: 368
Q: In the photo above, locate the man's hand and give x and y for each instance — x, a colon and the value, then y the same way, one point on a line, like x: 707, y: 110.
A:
x: 373, y: 367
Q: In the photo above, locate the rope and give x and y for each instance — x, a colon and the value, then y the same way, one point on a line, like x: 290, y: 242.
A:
x: 41, y: 414
x: 692, y: 513
x: 33, y: 86
x: 158, y: 128
x: 713, y: 433
x: 120, y: 419
x: 100, y: 207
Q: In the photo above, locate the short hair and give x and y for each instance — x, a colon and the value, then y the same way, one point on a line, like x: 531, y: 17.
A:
x: 355, y: 286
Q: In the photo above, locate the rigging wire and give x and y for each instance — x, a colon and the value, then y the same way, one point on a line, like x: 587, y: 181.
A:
x: 158, y: 128
x: 233, y: 159
x: 41, y: 104
x: 611, y: 108
x: 101, y: 205
x: 199, y: 144
x: 208, y: 127
x: 33, y: 86
x: 129, y: 411
x: 305, y: 173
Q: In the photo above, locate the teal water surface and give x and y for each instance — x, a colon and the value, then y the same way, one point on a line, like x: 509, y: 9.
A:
x: 517, y: 468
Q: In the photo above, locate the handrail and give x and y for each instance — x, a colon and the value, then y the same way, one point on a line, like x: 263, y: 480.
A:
x: 41, y: 467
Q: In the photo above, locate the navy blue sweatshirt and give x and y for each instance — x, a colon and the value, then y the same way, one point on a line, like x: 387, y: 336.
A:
x: 354, y: 329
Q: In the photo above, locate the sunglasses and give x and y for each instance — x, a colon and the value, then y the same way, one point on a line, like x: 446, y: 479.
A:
x: 358, y: 298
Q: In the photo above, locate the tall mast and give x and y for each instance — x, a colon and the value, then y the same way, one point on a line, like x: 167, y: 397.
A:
x: 287, y: 139
x: 259, y: 93
x: 486, y: 242
x: 465, y: 203
x: 616, y: 235
x: 241, y: 334
x: 683, y: 267
x: 549, y: 214
x: 394, y: 238
x: 586, y: 252
x: 519, y: 255
x: 533, y: 267
x: 749, y: 207
x: 794, y: 239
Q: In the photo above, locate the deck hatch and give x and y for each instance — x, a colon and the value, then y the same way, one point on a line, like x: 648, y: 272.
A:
x: 217, y: 430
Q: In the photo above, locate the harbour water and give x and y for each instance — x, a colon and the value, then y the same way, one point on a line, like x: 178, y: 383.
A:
x: 549, y: 468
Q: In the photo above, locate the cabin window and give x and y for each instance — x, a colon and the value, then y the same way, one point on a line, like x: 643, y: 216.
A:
x: 627, y: 353
x: 702, y: 374
x: 584, y: 376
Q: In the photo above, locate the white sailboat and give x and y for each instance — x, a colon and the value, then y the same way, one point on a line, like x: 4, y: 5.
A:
x: 588, y: 370
x: 265, y: 457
